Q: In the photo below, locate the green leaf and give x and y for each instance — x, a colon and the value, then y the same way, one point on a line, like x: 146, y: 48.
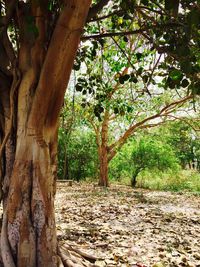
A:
x: 133, y: 78
x: 176, y: 75
x: 83, y: 105
x: 116, y: 110
x: 124, y: 78
x: 78, y: 87
x: 145, y: 78
x: 186, y: 66
x: 185, y: 83
x: 125, y: 38
x: 77, y: 66
x: 129, y: 109
x: 139, y: 71
x: 139, y: 56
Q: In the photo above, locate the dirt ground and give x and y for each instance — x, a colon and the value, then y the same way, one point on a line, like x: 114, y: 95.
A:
x: 127, y: 227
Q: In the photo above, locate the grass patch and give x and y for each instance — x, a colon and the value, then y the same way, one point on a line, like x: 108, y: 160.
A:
x: 185, y: 180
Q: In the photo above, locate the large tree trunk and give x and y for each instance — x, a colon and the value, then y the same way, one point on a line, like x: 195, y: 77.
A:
x: 28, y: 236
x: 28, y: 231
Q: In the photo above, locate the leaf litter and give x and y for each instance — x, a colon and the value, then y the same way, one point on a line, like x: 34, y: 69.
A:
x: 122, y: 226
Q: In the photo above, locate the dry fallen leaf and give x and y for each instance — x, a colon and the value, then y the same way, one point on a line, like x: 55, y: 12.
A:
x: 127, y: 228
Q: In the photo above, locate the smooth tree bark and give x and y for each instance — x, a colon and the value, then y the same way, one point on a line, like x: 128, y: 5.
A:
x: 32, y: 93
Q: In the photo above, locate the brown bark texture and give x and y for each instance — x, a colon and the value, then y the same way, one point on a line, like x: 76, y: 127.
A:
x: 31, y: 97
x: 103, y: 152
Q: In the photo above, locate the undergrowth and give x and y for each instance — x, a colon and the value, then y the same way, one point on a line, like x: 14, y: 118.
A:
x: 185, y: 180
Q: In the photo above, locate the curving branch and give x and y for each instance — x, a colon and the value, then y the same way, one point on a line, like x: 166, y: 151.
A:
x: 165, y: 111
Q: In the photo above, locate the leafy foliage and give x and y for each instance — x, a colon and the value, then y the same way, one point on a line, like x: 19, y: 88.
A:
x: 185, y: 142
x: 150, y: 153
x: 77, y: 160
x: 143, y: 153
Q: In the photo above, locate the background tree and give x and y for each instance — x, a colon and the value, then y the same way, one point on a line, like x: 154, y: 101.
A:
x: 81, y: 154
x: 150, y: 153
x: 120, y: 94
x: 184, y: 138
x: 160, y: 30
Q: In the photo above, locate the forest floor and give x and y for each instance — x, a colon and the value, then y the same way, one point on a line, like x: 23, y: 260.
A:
x: 130, y: 227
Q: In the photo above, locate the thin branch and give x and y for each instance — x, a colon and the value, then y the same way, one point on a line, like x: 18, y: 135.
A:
x: 180, y: 101
x: 122, y: 12
x: 112, y: 34
x: 96, y: 130
x: 149, y: 9
x: 154, y: 67
x: 185, y: 121
x: 153, y: 124
x: 123, y: 52
x: 138, y: 31
x: 117, y: 84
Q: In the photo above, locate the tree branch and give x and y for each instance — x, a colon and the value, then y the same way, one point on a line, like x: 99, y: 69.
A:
x: 112, y: 34
x: 138, y: 31
x: 96, y: 130
x: 185, y: 121
x: 141, y: 124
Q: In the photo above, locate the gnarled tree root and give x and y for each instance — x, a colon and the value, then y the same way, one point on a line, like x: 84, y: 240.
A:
x: 74, y: 257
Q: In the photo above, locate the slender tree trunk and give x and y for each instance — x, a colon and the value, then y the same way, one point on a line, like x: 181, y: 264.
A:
x: 66, y: 165
x: 28, y: 236
x: 103, y: 166
x: 103, y: 152
x: 134, y: 177
x: 133, y: 180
